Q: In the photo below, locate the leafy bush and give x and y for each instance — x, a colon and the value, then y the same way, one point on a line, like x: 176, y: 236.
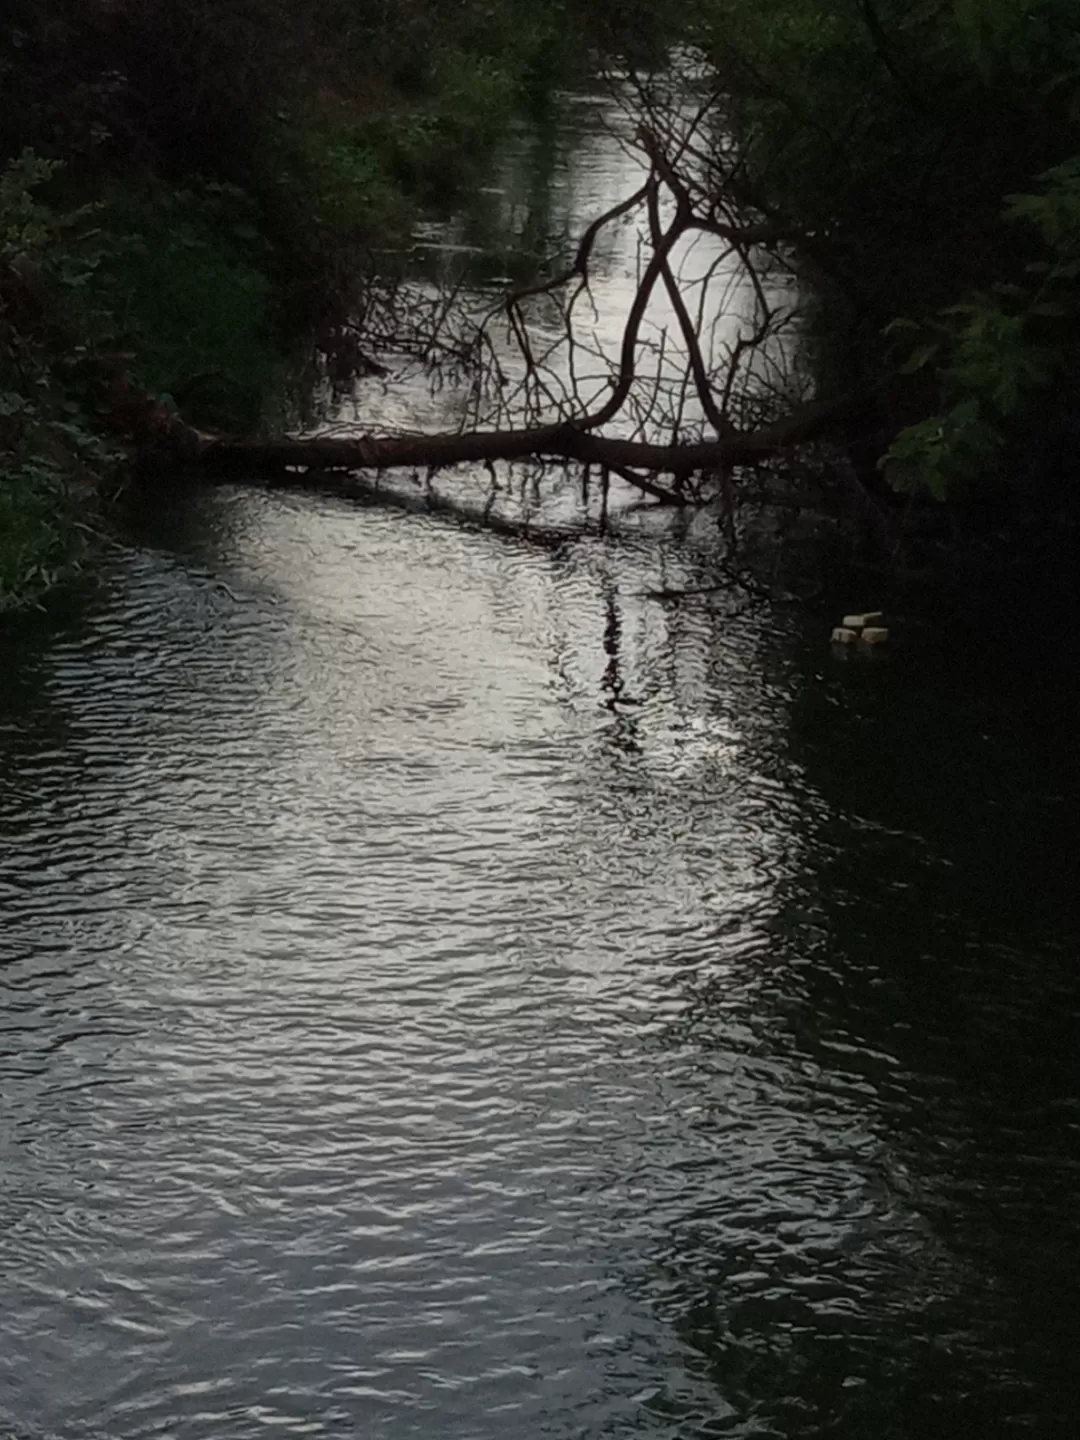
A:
x: 47, y: 441
x: 893, y: 132
x: 185, y: 289
x: 1000, y: 354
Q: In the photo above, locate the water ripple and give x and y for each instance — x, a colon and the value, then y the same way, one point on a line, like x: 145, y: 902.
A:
x: 386, y: 1046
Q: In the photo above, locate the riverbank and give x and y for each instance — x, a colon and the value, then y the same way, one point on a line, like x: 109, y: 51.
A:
x: 190, y: 196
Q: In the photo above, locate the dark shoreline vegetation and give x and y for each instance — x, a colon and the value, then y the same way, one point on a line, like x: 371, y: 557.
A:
x: 190, y: 187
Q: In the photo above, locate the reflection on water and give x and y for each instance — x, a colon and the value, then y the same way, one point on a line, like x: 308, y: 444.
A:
x: 444, y: 991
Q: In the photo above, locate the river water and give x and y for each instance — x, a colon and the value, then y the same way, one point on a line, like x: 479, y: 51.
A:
x: 445, y: 992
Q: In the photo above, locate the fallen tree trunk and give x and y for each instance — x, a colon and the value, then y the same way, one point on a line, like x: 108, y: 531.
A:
x: 662, y: 471
x: 163, y: 432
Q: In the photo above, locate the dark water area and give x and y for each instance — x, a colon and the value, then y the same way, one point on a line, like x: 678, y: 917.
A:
x: 446, y: 992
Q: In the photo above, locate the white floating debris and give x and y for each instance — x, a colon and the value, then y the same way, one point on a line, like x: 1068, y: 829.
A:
x: 843, y: 635
x: 860, y: 622
x: 874, y: 635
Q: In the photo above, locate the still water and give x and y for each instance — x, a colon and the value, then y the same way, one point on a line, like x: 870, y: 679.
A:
x: 445, y: 992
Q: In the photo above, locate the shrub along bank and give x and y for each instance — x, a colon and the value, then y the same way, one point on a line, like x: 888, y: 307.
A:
x: 932, y: 148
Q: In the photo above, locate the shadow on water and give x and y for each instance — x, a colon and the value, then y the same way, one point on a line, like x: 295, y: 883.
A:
x: 924, y: 960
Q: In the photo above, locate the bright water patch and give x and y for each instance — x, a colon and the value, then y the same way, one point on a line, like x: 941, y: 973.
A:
x: 404, y: 1031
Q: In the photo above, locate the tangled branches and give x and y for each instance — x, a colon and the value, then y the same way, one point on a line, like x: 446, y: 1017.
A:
x: 672, y: 407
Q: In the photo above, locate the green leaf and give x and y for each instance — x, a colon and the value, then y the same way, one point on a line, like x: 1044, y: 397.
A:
x: 1052, y: 310
x: 920, y: 358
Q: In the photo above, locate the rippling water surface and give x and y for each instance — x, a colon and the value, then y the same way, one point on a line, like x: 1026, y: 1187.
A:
x: 447, y: 993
